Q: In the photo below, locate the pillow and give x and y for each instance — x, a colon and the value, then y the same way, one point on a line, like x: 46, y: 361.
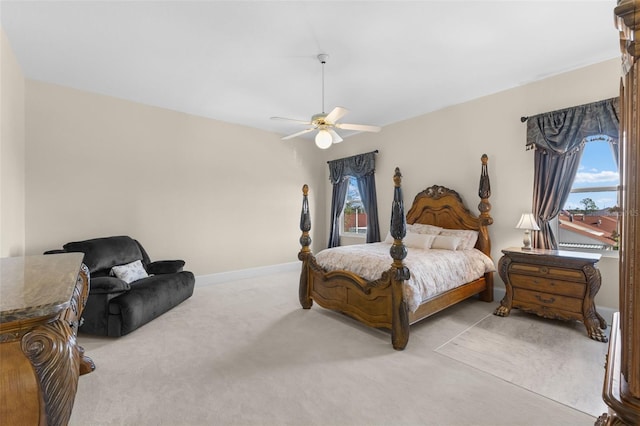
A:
x: 468, y: 238
x: 445, y: 242
x: 389, y: 239
x: 420, y: 228
x: 130, y: 272
x: 420, y: 241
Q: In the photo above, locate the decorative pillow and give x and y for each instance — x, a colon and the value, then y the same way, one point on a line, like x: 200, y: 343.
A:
x: 130, y: 272
x: 389, y: 239
x: 468, y: 238
x: 421, y: 241
x: 445, y: 242
x: 420, y: 228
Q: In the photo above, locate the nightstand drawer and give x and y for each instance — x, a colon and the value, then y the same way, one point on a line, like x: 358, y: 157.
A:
x: 548, y: 285
x: 548, y: 271
x: 549, y: 300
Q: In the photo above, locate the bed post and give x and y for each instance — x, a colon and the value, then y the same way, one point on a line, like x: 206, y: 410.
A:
x: 305, y: 251
x: 484, y: 192
x: 400, y: 273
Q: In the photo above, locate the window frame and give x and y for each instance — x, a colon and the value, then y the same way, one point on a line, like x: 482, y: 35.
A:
x: 348, y: 234
x: 555, y: 225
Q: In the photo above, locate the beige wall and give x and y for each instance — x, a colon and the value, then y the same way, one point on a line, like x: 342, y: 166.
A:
x: 227, y: 197
x: 444, y: 148
x: 221, y: 196
x: 12, y: 156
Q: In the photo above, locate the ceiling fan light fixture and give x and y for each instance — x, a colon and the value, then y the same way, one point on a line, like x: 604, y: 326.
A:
x: 326, y: 124
x: 324, y: 139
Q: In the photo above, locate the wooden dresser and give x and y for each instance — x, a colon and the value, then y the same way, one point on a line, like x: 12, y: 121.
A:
x: 552, y: 284
x: 621, y: 390
x: 41, y: 300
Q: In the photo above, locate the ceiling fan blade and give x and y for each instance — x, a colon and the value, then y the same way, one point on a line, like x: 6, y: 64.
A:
x: 298, y: 134
x: 334, y: 135
x: 291, y: 119
x: 358, y: 127
x: 336, y: 114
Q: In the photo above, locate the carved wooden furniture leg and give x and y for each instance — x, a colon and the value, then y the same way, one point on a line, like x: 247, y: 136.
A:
x: 603, y: 322
x: 48, y: 349
x: 505, y: 304
x: 595, y: 332
x: 86, y: 364
x: 593, y: 322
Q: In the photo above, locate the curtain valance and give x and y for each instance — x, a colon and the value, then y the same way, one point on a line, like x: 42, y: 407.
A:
x: 562, y: 131
x: 357, y: 166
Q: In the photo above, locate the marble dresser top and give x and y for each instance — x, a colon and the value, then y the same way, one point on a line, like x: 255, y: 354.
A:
x: 37, y: 286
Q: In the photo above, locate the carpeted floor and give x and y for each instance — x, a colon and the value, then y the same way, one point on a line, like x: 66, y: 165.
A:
x: 244, y: 353
x: 551, y: 358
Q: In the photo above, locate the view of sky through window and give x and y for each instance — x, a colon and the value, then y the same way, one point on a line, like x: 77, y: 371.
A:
x: 597, y: 169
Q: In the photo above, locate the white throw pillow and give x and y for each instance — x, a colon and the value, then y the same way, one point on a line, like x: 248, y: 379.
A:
x: 389, y: 239
x: 468, y: 238
x: 445, y: 242
x: 420, y: 228
x: 420, y: 241
x: 130, y: 272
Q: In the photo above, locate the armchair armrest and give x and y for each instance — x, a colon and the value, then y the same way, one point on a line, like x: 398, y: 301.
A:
x: 56, y: 251
x: 165, y: 267
x: 106, y: 285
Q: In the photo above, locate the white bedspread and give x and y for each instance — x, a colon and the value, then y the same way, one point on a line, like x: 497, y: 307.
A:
x: 432, y: 271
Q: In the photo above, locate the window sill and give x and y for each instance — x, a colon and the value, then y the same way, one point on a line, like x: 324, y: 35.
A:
x: 614, y: 254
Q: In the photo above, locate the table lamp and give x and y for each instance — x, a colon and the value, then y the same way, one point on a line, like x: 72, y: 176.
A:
x: 528, y: 223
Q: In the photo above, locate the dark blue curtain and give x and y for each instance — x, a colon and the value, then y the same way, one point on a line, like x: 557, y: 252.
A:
x: 367, y: 188
x: 337, y: 205
x: 362, y: 167
x: 553, y: 177
x: 558, y: 138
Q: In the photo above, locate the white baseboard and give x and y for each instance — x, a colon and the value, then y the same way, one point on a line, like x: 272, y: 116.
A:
x: 222, y: 277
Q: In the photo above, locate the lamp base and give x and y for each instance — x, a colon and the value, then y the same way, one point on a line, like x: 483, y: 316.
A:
x: 526, y: 241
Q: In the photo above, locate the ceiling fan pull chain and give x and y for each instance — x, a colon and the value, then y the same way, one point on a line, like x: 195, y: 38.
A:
x: 323, y: 60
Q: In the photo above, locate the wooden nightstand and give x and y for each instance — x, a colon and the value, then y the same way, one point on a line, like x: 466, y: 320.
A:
x: 552, y: 284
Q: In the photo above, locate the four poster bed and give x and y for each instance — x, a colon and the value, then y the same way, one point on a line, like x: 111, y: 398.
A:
x: 386, y: 298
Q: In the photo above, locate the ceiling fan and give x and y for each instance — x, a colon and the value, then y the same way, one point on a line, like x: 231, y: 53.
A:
x: 326, y: 124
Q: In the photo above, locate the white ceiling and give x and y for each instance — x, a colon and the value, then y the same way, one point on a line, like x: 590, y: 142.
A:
x: 246, y: 61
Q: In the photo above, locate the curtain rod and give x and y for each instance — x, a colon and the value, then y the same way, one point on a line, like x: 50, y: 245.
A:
x: 523, y: 119
x: 375, y: 152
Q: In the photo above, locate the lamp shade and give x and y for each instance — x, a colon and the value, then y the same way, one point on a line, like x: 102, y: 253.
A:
x: 527, y: 221
x: 323, y: 139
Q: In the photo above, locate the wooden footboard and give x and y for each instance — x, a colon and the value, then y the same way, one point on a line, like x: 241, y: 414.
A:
x: 380, y: 303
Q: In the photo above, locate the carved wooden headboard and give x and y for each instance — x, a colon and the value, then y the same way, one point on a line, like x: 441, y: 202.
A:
x: 441, y: 206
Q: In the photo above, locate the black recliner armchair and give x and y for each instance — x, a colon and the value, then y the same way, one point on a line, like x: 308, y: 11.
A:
x: 127, y: 290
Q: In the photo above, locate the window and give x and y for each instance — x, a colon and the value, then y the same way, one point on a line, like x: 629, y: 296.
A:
x: 354, y: 218
x: 589, y: 218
